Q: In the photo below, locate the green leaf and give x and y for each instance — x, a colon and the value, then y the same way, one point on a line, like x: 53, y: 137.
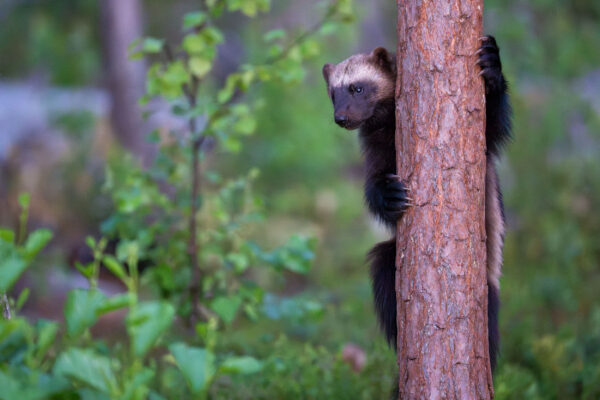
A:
x: 246, y: 78
x: 36, y: 242
x: 152, y: 45
x: 239, y: 261
x: 241, y: 365
x: 85, y: 270
x: 199, y: 66
x: 328, y: 28
x: 46, y: 338
x: 115, y: 303
x: 11, y: 387
x: 274, y: 34
x: 196, y: 364
x: 226, y: 307
x: 232, y: 144
x: 294, y: 264
x: 7, y: 235
x: 87, y: 368
x: 91, y: 242
x: 245, y: 125
x: 251, y: 312
x: 13, y: 331
x: 226, y: 93
x: 92, y: 394
x: 24, y: 200
x: 310, y: 48
x: 137, y: 387
x: 212, y: 35
x: 147, y: 322
x: 249, y: 7
x: 115, y: 267
x: 194, y: 43
x: 166, y: 82
x: 297, y: 254
x: 23, y: 296
x: 12, y: 265
x: 194, y: 19
x: 37, y: 386
x: 174, y: 77
x: 129, y: 251
x: 81, y: 309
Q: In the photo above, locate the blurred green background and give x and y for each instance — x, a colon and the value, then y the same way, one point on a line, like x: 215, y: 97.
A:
x: 57, y: 133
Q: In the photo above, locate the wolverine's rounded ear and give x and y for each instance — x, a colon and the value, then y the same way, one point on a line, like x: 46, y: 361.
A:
x: 326, y: 70
x: 382, y: 57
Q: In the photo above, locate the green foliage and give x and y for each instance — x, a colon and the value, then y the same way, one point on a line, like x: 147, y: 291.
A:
x: 18, y: 251
x: 146, y: 323
x: 310, y: 185
x: 241, y: 365
x: 89, y: 369
x: 549, y: 335
x: 56, y: 36
x: 309, y: 372
x: 196, y: 364
x: 184, y: 233
x: 81, y: 309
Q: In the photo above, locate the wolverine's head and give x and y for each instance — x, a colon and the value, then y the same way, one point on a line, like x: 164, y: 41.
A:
x: 361, y: 86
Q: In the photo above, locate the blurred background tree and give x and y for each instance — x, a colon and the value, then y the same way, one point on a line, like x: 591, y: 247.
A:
x: 57, y: 135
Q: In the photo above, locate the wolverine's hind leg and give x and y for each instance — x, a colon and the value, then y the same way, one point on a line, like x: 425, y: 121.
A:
x: 498, y: 111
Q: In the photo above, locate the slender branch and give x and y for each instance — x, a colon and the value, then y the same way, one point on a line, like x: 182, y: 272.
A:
x: 5, y: 306
x: 197, y: 141
x: 190, y: 91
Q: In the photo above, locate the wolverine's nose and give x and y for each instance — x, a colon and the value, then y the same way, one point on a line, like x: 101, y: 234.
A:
x: 340, y: 119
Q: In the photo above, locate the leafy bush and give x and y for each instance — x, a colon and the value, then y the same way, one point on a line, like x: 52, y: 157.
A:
x: 183, y: 251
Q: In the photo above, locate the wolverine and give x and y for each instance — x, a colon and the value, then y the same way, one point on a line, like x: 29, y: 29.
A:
x: 362, y: 90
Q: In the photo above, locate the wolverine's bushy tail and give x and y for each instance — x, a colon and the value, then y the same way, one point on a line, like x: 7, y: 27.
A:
x: 493, y: 333
x: 383, y: 277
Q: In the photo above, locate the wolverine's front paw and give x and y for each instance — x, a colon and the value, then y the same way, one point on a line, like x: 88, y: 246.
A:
x: 489, y: 61
x: 395, y: 197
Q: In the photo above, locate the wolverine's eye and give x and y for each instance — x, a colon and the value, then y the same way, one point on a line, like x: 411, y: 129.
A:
x: 355, y: 89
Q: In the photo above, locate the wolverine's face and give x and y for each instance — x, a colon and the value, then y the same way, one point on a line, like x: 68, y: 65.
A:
x: 358, y: 84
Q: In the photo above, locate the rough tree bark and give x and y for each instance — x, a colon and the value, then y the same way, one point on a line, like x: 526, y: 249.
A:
x: 441, y: 285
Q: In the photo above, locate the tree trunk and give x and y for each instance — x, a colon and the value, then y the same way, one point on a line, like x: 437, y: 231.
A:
x: 121, y: 24
x: 441, y: 288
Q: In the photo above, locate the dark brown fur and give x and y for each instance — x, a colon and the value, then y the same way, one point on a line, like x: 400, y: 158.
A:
x: 362, y: 91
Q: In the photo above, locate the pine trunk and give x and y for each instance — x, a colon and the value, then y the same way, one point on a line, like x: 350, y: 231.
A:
x: 441, y: 287
x: 121, y: 24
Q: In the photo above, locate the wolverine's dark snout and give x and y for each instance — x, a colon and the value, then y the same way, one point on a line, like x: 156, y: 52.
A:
x: 341, y: 119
